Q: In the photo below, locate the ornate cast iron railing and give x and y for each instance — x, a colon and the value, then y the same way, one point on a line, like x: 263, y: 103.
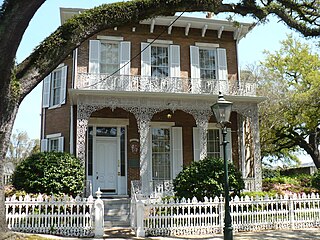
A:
x: 163, y: 85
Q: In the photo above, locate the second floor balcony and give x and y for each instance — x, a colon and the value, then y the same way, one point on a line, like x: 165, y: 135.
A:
x: 136, y: 83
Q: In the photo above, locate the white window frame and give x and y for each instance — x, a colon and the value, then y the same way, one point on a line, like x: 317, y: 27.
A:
x: 196, y: 141
x: 48, y: 91
x: 118, y: 60
x: 216, y: 62
x: 46, y: 142
x: 176, y: 148
x: 124, y: 54
x: 173, y: 57
x: 168, y: 63
x: 170, y: 153
x: 221, y: 60
x: 219, y: 140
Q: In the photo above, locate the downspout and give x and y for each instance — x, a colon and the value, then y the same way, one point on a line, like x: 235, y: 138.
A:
x: 73, y: 81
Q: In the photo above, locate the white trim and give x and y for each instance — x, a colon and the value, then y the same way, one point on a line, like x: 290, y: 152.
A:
x: 214, y: 126
x: 162, y: 124
x: 44, y: 145
x: 60, y: 65
x: 206, y: 45
x: 71, y: 131
x: 109, y: 121
x: 110, y: 38
x: 159, y: 41
x: 54, y: 135
x: 55, y: 106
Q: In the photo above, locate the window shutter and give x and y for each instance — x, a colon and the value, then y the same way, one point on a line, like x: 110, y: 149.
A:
x: 63, y: 85
x: 149, y: 169
x: 44, y: 145
x: 177, y: 158
x: 175, y: 61
x: 195, y: 69
x: 222, y: 64
x: 46, y: 91
x: 60, y: 144
x: 229, y: 145
x: 196, y: 144
x: 94, y: 56
x: 125, y: 48
x: 145, y: 59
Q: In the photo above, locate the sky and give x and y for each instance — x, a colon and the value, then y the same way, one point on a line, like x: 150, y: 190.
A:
x: 47, y: 19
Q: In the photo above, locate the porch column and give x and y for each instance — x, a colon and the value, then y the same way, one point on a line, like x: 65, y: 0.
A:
x: 143, y: 116
x: 202, y: 119
x: 84, y: 112
x: 82, y: 124
x: 257, y: 150
x: 250, y: 145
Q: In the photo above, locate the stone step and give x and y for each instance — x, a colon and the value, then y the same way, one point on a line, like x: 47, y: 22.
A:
x: 116, y: 212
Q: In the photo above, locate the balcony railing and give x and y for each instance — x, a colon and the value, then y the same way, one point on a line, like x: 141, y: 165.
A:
x: 162, y: 85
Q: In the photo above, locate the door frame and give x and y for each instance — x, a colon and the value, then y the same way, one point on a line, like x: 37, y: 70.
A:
x: 121, y: 180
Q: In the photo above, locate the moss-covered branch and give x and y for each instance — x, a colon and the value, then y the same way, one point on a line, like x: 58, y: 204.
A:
x: 57, y: 46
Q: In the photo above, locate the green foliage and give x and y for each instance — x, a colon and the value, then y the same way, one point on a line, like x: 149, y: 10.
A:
x: 315, y: 182
x: 270, y: 173
x: 205, y: 178
x: 271, y: 193
x: 289, y: 78
x: 300, y: 183
x: 50, y: 173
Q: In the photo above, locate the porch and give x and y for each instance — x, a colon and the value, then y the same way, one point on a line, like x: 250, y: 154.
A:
x: 139, y: 111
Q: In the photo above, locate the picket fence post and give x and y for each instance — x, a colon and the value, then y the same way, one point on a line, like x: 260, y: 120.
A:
x: 98, y: 215
x: 291, y: 212
x: 140, y: 218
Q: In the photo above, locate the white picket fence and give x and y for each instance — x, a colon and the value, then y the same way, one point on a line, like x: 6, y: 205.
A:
x: 67, y: 216
x: 192, y: 217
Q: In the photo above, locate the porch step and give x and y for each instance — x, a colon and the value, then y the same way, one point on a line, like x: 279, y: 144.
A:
x: 116, y: 212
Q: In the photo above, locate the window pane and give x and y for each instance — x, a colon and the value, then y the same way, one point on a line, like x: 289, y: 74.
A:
x: 213, y: 143
x: 53, y: 144
x: 106, y: 131
x: 109, y: 58
x: 56, y: 87
x: 207, y: 61
x: 159, y: 61
x: 161, y: 164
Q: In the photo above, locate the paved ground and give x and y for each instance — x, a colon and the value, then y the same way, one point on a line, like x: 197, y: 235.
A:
x: 125, y: 233
x: 313, y: 233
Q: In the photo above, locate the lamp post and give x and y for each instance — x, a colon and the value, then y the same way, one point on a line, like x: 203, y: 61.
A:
x: 222, y: 111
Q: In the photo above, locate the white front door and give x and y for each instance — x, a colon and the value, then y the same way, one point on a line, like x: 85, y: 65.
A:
x: 105, y: 172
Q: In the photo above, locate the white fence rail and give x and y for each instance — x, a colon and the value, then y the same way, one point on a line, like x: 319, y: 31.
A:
x: 46, y: 214
x: 190, y: 217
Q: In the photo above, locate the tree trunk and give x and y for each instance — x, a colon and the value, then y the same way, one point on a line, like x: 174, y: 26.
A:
x: 312, y: 147
x: 5, y: 132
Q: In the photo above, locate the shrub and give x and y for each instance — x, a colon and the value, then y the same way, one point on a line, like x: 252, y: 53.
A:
x: 49, y: 173
x: 205, y: 178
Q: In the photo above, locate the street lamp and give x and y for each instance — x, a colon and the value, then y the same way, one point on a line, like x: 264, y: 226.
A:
x: 222, y: 111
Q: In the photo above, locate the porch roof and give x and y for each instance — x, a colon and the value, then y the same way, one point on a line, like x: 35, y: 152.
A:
x: 75, y: 93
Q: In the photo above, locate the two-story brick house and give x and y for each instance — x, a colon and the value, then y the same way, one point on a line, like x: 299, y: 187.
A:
x: 133, y: 102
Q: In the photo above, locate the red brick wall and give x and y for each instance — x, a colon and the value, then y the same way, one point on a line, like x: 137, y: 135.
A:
x: 142, y: 33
